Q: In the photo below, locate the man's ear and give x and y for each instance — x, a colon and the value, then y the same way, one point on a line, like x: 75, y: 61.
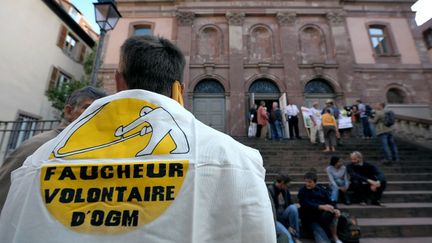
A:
x: 120, y: 82
x: 181, y: 89
x: 67, y: 111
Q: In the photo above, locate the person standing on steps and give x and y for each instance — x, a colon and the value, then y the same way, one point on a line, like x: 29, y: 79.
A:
x: 291, y: 113
x: 262, y: 119
x: 316, y: 129
x: 384, y: 121
x: 331, y: 131
x: 276, y: 122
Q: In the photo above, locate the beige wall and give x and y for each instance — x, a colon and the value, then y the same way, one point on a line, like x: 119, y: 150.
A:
x: 162, y: 27
x: 28, y: 47
x: 401, y: 34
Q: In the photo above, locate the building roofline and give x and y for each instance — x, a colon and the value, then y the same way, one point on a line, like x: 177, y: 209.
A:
x: 70, y: 22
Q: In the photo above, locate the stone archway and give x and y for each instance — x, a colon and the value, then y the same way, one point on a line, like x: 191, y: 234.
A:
x: 264, y: 89
x: 396, y: 96
x: 318, y: 90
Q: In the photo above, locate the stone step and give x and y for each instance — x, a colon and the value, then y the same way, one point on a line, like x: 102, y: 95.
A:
x: 388, y: 176
x: 313, y: 156
x: 273, y: 169
x: 386, y: 240
x: 391, y: 185
x: 388, y: 210
x: 324, y: 163
x: 395, y: 227
x: 395, y: 196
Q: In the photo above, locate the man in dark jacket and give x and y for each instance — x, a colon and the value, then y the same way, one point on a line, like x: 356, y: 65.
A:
x: 286, y: 211
x: 317, y: 211
x: 367, y: 181
x: 77, y: 102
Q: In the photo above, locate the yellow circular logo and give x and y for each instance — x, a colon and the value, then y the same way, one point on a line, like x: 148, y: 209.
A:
x: 111, y: 198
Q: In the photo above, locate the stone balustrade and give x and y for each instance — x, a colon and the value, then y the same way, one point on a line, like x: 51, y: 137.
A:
x: 414, y: 130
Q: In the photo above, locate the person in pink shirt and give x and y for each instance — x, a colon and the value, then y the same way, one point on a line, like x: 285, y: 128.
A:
x: 262, y: 120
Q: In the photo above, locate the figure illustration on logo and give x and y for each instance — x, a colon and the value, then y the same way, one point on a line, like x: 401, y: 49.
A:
x: 156, y: 123
x: 158, y: 130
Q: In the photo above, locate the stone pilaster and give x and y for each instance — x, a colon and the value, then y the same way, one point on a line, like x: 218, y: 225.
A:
x: 343, y: 54
x: 290, y: 46
x: 237, y: 124
x: 184, y: 37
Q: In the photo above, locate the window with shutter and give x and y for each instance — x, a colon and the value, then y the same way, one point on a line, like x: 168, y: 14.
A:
x: 58, y: 79
x: 82, y: 54
x: 53, y: 79
x: 62, y: 37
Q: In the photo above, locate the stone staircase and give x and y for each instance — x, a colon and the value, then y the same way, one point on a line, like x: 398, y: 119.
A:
x: 406, y: 214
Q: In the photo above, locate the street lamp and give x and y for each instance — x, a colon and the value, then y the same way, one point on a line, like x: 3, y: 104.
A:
x: 107, y: 16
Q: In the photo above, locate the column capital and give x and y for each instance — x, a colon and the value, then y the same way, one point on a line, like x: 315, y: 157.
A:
x: 235, y: 18
x: 185, y: 18
x: 336, y: 18
x: 286, y: 18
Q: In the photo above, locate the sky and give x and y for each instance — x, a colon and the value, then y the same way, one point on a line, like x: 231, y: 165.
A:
x: 423, y: 8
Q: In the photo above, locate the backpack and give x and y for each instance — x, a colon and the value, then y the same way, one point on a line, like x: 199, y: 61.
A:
x: 389, y: 118
x: 368, y: 110
x: 348, y: 229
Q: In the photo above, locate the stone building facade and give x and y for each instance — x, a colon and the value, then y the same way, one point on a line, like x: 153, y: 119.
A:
x: 241, y: 52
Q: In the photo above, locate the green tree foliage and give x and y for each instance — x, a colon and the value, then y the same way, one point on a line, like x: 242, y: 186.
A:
x: 57, y: 96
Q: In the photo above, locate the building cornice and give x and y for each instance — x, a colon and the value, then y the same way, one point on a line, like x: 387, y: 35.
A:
x: 70, y: 22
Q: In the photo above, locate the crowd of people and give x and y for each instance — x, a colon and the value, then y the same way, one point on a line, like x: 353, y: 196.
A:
x: 317, y: 212
x: 327, y: 126
x: 223, y: 197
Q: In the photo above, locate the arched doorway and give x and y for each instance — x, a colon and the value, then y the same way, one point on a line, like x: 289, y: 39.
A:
x: 395, y: 96
x: 318, y: 90
x: 209, y: 103
x: 264, y: 89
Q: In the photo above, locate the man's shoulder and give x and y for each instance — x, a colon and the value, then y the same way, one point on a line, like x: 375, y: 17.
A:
x: 33, y: 143
x: 216, y: 147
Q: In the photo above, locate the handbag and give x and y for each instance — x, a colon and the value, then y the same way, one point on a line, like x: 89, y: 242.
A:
x: 252, y: 130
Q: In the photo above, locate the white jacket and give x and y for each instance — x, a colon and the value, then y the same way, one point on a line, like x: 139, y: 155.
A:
x: 138, y: 167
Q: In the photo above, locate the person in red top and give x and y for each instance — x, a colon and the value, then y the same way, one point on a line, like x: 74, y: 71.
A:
x: 262, y: 120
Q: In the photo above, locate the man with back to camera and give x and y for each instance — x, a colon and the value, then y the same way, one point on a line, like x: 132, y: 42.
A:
x: 385, y: 134
x: 75, y: 105
x: 222, y: 196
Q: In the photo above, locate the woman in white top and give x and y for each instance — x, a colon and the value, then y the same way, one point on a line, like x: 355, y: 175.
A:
x: 338, y: 178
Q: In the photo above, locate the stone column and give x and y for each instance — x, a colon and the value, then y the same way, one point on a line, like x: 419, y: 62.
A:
x: 184, y: 38
x: 290, y: 48
x: 236, y: 106
x: 343, y: 55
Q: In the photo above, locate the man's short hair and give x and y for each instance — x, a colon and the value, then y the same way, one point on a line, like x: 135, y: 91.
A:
x: 87, y: 92
x: 151, y: 63
x: 311, y: 175
x: 357, y: 154
x: 283, y: 179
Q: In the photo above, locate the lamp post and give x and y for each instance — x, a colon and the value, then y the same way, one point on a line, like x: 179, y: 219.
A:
x: 107, y: 16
